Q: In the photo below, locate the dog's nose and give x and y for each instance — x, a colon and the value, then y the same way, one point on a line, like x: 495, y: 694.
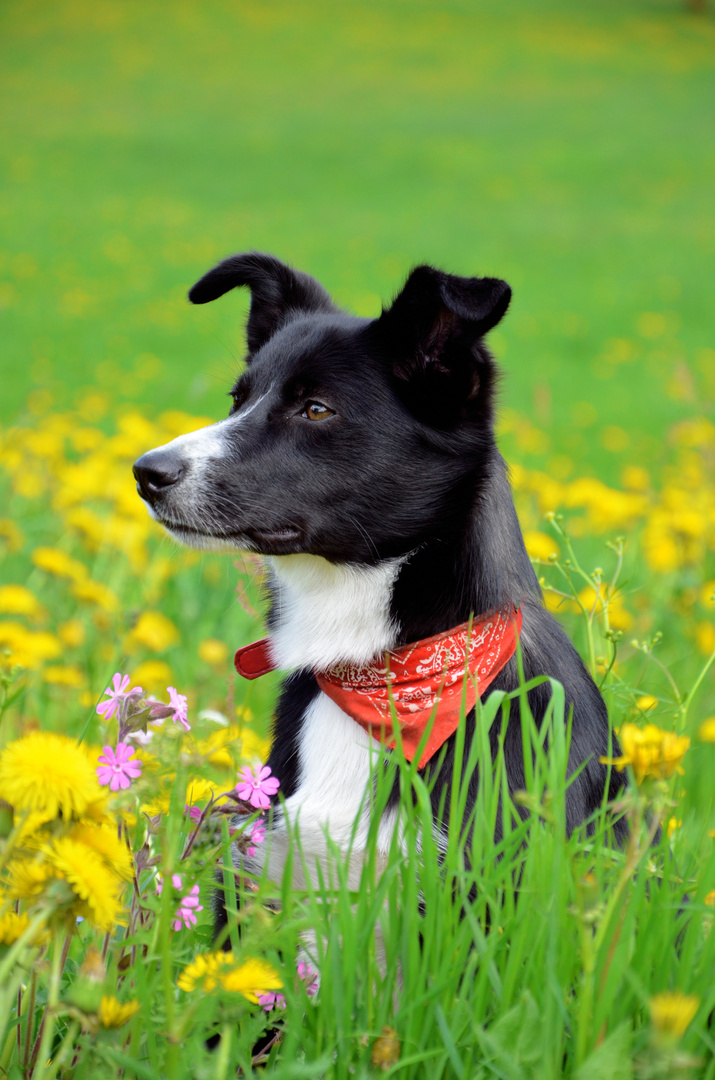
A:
x: 157, y: 470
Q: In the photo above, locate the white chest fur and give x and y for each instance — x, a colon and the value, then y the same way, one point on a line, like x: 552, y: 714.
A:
x: 326, y: 613
x: 331, y: 805
x: 330, y: 612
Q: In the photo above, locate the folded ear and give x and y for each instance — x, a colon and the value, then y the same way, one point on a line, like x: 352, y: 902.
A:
x: 433, y: 328
x: 278, y: 293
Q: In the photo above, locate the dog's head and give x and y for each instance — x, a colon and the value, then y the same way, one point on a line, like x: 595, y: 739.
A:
x: 351, y: 438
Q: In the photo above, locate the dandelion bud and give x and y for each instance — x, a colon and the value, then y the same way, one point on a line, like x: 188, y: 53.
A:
x: 86, y: 991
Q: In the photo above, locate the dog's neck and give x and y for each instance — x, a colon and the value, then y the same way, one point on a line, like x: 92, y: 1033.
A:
x: 323, y: 613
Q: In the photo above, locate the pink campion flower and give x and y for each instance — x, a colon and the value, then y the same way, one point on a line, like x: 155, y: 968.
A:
x: 187, y: 909
x: 118, y: 693
x: 256, y: 834
x: 188, y: 905
x: 178, y: 702
x: 309, y: 977
x: 271, y: 1001
x: 257, y: 788
x: 115, y: 767
x: 194, y: 812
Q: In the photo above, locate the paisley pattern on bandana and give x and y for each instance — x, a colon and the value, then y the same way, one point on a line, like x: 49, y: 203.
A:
x: 424, y: 678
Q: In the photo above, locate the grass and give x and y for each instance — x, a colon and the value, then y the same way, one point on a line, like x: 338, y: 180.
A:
x: 564, y: 147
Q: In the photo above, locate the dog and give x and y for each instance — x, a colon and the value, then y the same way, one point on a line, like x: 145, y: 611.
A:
x: 359, y: 459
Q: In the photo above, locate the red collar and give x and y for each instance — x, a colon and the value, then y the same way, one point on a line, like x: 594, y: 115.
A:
x: 414, y: 683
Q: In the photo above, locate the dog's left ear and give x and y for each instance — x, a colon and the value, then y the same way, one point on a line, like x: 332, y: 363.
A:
x: 431, y: 332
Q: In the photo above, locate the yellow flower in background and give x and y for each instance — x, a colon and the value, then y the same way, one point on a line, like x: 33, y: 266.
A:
x: 706, y: 731
x: 203, y: 971
x: 212, y: 651
x: 112, y: 1013
x: 650, y: 751
x: 705, y: 638
x: 710, y: 899
x: 646, y: 702
x: 540, y: 545
x: 59, y: 563
x: 153, y: 675
x: 673, y: 825
x: 619, y: 617
x: 28, y: 648
x: 252, y: 979
x: 94, y: 592
x: 672, y: 1013
x: 49, y: 774
x: 152, y: 631
x: 10, y: 534
x: 71, y: 633
x: 17, y: 600
x: 707, y: 594
x: 64, y: 675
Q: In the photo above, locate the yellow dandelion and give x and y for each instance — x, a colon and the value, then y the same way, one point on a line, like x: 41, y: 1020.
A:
x: 710, y: 898
x: 57, y: 562
x: 673, y: 825
x: 28, y: 878
x: 212, y: 651
x: 646, y: 702
x: 113, y: 1013
x: 103, y: 840
x: 252, y: 979
x: 153, y: 631
x: 94, y: 592
x: 17, y: 600
x: 706, y: 731
x: 12, y: 927
x: 28, y: 648
x: 96, y: 887
x: 153, y: 675
x: 71, y: 633
x: 64, y: 675
x: 48, y: 773
x: 10, y: 535
x: 672, y: 1013
x: 650, y: 751
x: 705, y: 637
x: 203, y: 971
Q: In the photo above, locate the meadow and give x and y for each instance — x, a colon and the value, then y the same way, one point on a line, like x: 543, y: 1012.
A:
x: 563, y: 147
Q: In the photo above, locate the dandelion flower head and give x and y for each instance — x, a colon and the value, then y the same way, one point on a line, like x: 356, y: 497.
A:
x: 49, y: 774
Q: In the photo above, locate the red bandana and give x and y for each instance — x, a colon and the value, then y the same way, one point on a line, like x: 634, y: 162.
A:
x: 412, y: 681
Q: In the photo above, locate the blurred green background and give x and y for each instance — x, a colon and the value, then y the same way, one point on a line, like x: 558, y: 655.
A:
x: 564, y: 146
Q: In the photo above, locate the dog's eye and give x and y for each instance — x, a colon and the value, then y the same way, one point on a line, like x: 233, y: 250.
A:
x: 315, y: 411
x: 239, y: 396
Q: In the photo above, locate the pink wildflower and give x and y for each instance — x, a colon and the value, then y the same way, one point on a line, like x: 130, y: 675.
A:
x: 117, y: 695
x: 271, y: 1001
x: 194, y: 812
x: 257, y: 789
x: 309, y: 977
x: 115, y: 767
x: 256, y: 834
x: 178, y: 702
x: 188, y: 905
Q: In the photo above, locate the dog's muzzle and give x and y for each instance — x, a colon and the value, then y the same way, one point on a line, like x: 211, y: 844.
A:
x: 156, y: 471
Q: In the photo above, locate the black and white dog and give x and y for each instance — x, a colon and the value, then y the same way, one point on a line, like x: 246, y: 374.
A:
x: 359, y: 458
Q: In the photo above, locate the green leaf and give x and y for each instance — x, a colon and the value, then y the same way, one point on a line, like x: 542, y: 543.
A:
x: 612, y: 1059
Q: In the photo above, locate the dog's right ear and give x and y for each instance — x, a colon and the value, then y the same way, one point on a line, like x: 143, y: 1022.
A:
x: 278, y: 293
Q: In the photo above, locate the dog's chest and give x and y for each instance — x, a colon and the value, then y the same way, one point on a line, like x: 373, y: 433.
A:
x: 330, y: 808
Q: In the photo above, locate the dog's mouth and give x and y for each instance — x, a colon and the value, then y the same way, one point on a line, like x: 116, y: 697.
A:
x: 283, y: 541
